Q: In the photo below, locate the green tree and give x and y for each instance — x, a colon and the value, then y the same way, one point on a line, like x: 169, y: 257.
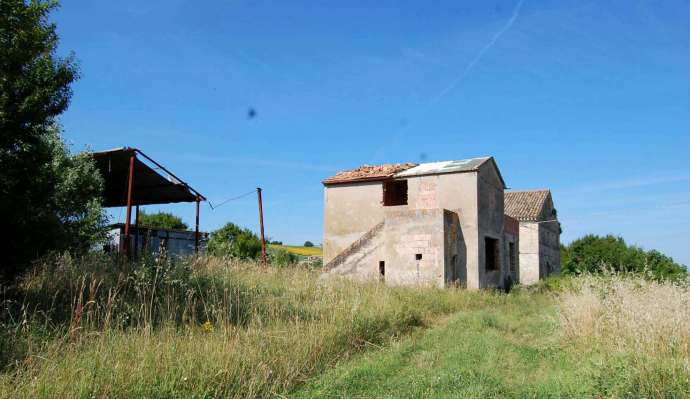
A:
x: 49, y: 199
x: 237, y: 242
x: 162, y: 220
x: 308, y: 244
x: 595, y: 254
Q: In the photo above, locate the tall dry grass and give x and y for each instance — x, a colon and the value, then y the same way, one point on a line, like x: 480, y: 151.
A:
x: 642, y: 325
x: 207, y: 327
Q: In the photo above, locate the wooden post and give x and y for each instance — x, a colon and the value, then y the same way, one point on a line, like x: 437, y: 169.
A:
x: 261, y: 225
x: 128, y: 220
x: 196, y: 235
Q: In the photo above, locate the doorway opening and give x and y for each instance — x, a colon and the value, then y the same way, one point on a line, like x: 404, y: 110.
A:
x: 491, y: 254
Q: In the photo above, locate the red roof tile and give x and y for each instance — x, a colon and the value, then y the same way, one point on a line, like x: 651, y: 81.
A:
x: 525, y: 205
x: 368, y: 173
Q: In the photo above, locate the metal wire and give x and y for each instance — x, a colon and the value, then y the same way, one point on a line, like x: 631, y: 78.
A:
x: 213, y: 207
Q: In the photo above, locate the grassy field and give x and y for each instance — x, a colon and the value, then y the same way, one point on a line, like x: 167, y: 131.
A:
x: 614, y: 338
x: 215, y: 328
x: 297, y: 250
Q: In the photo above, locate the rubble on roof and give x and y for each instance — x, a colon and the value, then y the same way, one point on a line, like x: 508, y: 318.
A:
x: 368, y: 172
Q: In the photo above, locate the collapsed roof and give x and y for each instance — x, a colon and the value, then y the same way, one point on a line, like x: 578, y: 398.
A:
x: 388, y: 171
x: 368, y: 173
x: 148, y: 186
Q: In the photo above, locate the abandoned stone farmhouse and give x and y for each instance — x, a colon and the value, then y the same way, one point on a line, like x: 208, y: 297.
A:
x: 438, y: 223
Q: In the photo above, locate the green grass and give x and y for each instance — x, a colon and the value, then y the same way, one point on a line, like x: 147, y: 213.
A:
x: 519, y: 347
x: 512, y: 349
x: 206, y: 328
x: 212, y: 328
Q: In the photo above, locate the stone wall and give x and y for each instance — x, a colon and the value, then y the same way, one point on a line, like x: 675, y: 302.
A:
x: 415, y: 249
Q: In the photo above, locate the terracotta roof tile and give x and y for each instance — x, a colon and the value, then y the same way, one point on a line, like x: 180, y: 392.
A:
x: 525, y: 205
x: 368, y: 173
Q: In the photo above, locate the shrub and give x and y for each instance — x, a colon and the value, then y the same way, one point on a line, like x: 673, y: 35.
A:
x: 234, y: 241
x: 281, y: 257
x: 594, y: 254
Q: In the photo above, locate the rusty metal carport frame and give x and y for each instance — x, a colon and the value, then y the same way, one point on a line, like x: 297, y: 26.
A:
x: 151, y: 188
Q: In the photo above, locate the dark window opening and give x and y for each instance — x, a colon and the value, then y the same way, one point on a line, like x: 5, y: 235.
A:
x: 491, y: 254
x: 418, y: 256
x: 395, y: 193
x: 382, y: 268
x: 511, y: 254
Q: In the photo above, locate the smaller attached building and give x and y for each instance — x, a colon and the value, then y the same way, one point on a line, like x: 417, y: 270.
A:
x: 539, y: 232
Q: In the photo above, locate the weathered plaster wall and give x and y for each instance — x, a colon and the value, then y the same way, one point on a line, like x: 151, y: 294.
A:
x: 350, y: 210
x: 529, y: 252
x: 490, y: 223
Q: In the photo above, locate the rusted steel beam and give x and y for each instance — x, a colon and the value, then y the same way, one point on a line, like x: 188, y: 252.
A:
x: 261, y: 225
x: 196, y: 230
x: 128, y: 219
x: 136, y: 231
x: 170, y: 173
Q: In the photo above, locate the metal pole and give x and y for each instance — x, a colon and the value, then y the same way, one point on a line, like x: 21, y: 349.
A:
x: 261, y: 225
x: 196, y: 236
x: 128, y: 220
x: 136, y: 232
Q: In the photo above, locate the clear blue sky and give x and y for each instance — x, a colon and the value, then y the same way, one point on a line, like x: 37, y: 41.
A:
x: 588, y: 98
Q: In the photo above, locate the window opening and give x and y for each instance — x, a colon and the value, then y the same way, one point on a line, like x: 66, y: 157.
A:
x: 395, y: 193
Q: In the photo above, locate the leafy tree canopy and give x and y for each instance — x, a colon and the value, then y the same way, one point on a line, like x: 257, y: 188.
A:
x: 163, y: 220
x: 49, y: 199
x: 237, y: 242
x: 308, y: 244
x: 596, y: 254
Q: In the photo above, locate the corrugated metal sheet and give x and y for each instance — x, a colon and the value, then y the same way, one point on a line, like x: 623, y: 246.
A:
x: 434, y: 168
x: 149, y: 186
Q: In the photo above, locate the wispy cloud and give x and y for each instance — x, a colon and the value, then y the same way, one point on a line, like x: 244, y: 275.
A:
x: 401, y: 132
x: 458, y: 79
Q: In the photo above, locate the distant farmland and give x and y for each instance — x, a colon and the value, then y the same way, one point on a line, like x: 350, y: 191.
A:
x: 302, y: 251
